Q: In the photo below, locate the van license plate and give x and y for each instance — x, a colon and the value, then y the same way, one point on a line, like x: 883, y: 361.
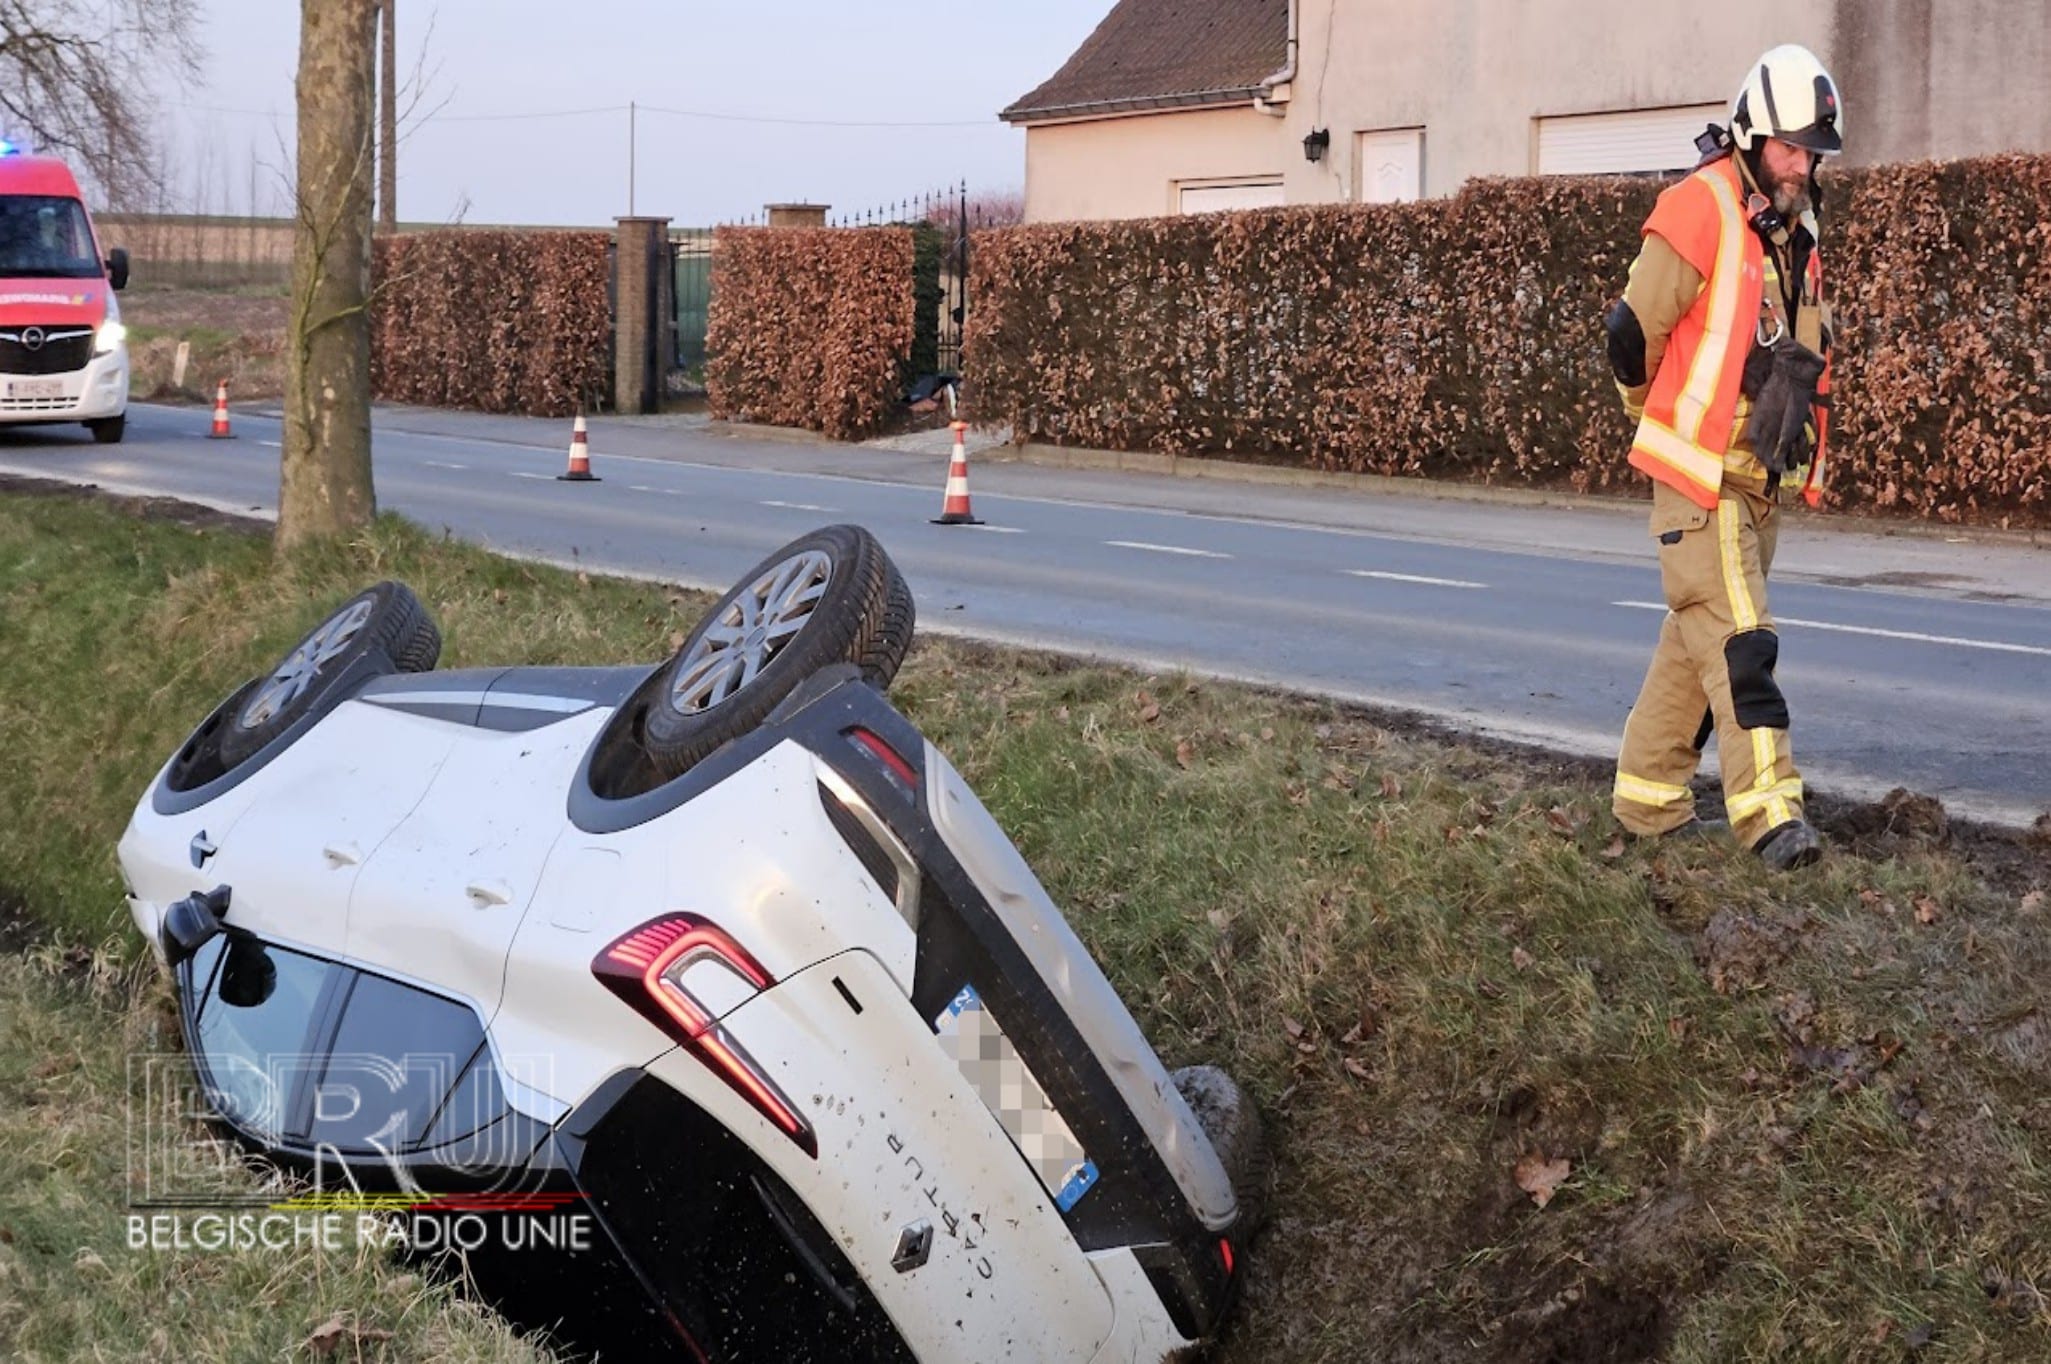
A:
x: 35, y: 388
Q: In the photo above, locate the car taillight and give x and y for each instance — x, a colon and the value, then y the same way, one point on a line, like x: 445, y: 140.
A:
x: 683, y: 974
x: 1225, y: 1254
x: 894, y: 764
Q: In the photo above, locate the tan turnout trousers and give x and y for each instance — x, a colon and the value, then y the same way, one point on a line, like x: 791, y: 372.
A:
x: 1713, y: 667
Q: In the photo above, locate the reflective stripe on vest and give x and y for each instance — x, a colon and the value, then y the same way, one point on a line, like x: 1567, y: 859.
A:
x: 1681, y: 440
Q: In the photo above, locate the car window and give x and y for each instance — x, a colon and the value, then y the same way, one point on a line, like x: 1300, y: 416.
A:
x: 44, y: 235
x: 253, y: 1025
x: 396, y: 1055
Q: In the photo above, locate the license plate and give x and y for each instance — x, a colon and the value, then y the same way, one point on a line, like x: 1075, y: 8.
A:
x: 991, y: 1064
x: 35, y: 388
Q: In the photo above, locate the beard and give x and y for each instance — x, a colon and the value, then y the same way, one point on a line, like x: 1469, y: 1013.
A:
x: 1790, y: 196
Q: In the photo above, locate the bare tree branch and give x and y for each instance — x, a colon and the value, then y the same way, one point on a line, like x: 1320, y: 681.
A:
x: 76, y: 78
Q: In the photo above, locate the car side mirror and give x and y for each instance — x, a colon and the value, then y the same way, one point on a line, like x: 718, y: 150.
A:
x: 117, y: 268
x: 191, y: 923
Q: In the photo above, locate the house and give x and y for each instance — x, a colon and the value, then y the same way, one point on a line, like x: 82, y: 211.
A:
x: 1176, y: 106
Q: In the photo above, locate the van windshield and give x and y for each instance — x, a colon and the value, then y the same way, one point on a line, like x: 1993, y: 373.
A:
x: 42, y: 235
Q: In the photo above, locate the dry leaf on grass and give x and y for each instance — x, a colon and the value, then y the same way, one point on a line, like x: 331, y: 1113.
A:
x: 1185, y: 754
x: 1391, y: 788
x: 1561, y: 821
x: 1928, y: 911
x: 2032, y: 902
x: 1521, y: 959
x: 1539, y: 1177
x: 327, y: 1337
x: 1614, y: 849
x: 1355, y: 1069
x: 1149, y: 708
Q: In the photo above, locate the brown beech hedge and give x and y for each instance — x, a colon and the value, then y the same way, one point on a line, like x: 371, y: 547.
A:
x: 493, y: 321
x: 809, y: 327
x: 1461, y: 338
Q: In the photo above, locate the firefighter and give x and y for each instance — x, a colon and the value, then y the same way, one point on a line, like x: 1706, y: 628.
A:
x: 1720, y: 347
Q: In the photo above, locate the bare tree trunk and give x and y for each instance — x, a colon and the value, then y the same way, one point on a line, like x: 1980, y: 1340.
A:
x: 388, y: 124
x: 326, y: 486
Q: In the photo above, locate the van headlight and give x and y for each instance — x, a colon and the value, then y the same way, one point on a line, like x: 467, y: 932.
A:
x: 110, y: 335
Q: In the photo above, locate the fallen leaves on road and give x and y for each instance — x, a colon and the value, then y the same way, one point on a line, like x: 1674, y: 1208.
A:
x: 1540, y: 1177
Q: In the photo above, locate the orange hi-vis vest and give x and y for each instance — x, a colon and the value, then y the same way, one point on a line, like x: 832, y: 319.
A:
x: 1691, y: 410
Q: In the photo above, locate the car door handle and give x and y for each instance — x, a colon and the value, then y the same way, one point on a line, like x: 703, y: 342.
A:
x: 485, y: 894
x: 341, y: 855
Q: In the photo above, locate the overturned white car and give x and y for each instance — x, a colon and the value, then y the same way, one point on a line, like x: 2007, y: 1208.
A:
x: 726, y: 950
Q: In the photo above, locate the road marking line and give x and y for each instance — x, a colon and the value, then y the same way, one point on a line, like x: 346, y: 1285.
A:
x: 545, y: 478
x: 798, y: 506
x: 275, y: 445
x: 644, y: 488
x: 1167, y: 549
x: 1410, y: 578
x: 993, y: 530
x: 442, y: 464
x: 1914, y: 636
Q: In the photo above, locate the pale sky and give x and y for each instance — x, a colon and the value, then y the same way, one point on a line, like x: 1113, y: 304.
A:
x: 877, y: 61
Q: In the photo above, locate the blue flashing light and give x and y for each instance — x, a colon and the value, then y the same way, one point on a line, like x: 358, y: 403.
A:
x: 7, y: 148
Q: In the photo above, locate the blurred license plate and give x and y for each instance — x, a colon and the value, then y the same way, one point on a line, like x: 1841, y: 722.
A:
x: 35, y: 388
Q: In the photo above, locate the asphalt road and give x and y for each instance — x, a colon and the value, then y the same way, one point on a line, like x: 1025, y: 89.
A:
x: 1911, y: 663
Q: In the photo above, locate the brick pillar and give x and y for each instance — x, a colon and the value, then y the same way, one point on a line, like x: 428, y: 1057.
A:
x: 643, y: 314
x: 796, y: 215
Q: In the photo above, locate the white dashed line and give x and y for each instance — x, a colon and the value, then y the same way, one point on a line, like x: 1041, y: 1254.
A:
x: 1167, y: 549
x: 1411, y: 578
x: 799, y: 506
x: 644, y: 488
x: 443, y: 464
x: 994, y: 530
x: 544, y: 478
x: 275, y: 445
x: 1913, y: 636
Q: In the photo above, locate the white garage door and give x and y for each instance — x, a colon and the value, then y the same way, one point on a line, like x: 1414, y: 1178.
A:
x: 1247, y: 194
x: 1634, y: 142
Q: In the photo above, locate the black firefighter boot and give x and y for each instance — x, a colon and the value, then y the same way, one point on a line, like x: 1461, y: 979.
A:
x: 1790, y: 845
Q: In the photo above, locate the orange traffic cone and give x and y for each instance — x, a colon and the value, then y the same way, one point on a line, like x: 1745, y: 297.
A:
x: 221, y: 431
x: 580, y: 457
x: 954, y: 511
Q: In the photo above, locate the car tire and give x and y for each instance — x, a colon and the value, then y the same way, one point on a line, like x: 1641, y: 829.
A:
x: 383, y: 628
x: 108, y: 430
x: 1230, y: 1120
x: 832, y: 596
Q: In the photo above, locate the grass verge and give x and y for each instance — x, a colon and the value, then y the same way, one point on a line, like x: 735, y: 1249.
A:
x: 1536, y: 1093
x: 234, y: 334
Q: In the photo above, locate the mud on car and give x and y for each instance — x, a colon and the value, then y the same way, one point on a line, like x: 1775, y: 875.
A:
x: 726, y: 951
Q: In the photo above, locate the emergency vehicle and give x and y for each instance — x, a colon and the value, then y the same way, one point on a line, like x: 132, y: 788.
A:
x: 63, y: 350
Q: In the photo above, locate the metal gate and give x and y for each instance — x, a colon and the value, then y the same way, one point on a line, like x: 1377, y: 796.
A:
x: 690, y: 252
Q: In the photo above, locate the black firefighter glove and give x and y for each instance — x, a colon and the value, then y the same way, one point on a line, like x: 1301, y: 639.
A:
x: 1778, y: 429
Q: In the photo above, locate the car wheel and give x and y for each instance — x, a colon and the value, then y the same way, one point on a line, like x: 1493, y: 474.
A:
x: 829, y: 597
x: 1230, y: 1120
x: 385, y: 625
x: 108, y: 430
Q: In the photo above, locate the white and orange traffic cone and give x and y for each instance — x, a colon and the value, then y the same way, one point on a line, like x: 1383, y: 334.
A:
x: 954, y: 510
x: 580, y: 457
x: 220, y: 430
